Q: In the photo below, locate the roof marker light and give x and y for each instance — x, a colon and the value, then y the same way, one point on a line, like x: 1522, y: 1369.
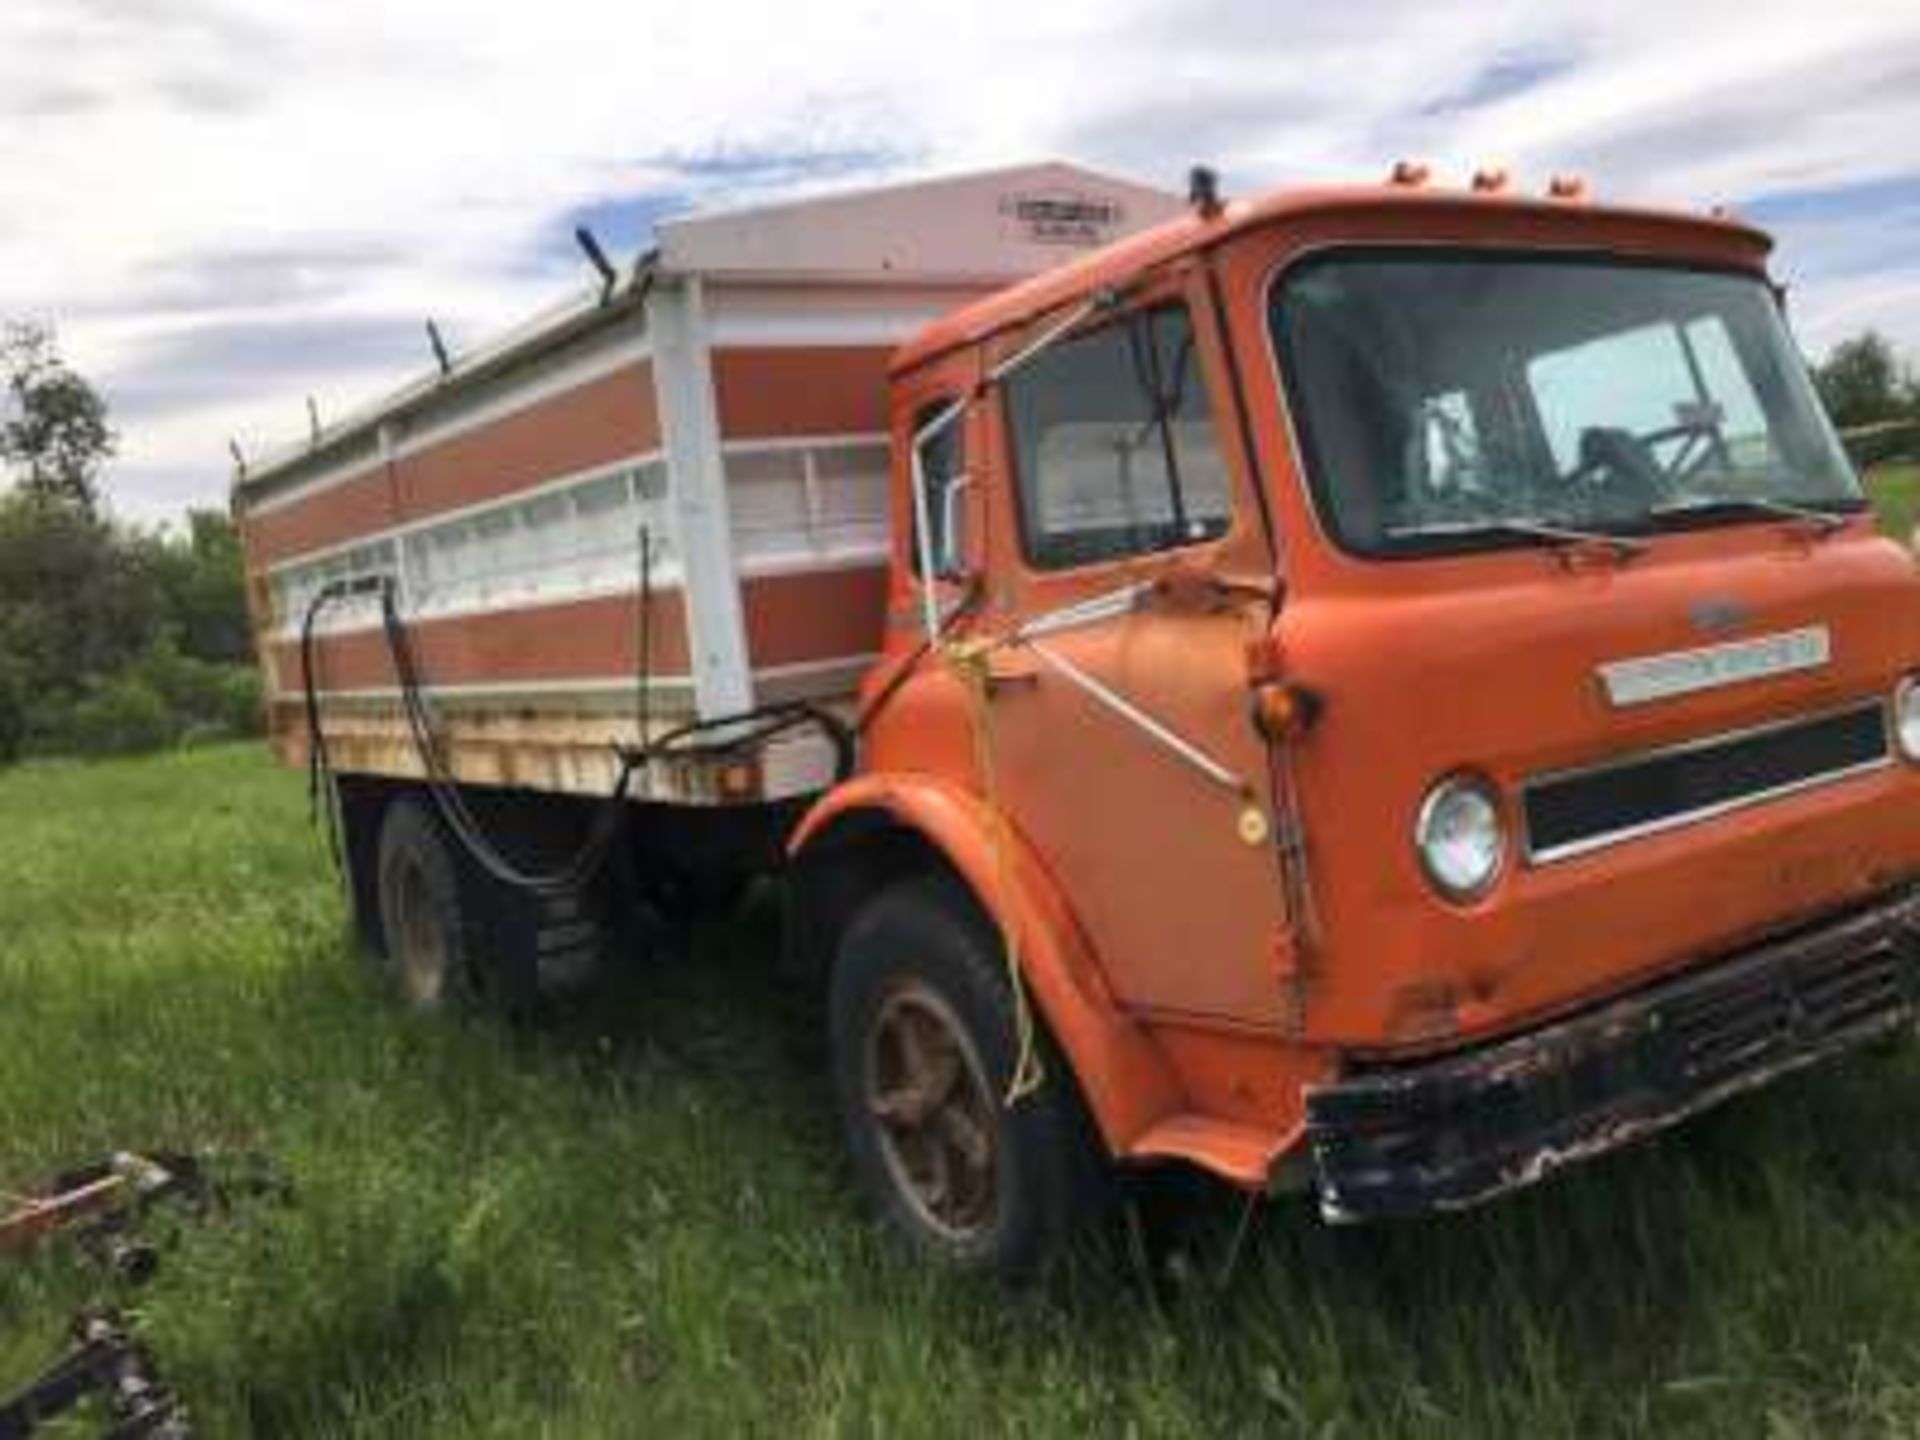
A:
x: 1203, y: 192
x: 596, y: 257
x: 1490, y: 180
x: 1409, y: 172
x: 1567, y: 187
x: 439, y: 345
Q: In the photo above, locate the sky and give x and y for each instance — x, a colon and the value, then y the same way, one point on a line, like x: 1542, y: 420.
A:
x: 224, y: 208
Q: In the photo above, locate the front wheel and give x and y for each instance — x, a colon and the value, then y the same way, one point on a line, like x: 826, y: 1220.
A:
x: 924, y: 1042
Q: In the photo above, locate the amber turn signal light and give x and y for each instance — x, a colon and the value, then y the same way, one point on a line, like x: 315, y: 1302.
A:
x: 1283, y: 712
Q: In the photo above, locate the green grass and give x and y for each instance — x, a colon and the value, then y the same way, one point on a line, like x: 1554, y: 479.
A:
x: 1896, y: 495
x: 641, y: 1226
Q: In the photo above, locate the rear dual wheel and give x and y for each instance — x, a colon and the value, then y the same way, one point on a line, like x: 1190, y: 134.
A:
x: 424, y: 923
x: 449, y: 932
x: 925, y: 1042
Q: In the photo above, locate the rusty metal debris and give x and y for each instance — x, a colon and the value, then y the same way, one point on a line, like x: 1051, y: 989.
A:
x: 105, y: 1360
x: 101, y: 1204
x: 102, y: 1207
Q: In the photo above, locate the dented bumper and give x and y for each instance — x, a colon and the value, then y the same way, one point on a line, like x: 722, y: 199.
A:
x: 1446, y: 1133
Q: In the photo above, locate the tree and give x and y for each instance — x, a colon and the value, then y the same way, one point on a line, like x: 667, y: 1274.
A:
x: 53, y: 432
x: 115, y: 638
x: 1861, y: 382
x: 76, y: 600
x: 201, y: 578
x: 112, y: 637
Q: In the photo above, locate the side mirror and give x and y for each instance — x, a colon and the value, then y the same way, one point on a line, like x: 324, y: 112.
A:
x: 950, y: 557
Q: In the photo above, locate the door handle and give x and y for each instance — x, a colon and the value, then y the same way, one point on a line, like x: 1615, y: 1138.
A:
x: 1011, y: 667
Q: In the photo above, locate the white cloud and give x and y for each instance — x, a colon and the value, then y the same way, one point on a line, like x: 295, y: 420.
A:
x: 228, y: 206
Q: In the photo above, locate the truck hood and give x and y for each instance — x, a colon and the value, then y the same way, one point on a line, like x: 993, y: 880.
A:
x: 1496, y: 665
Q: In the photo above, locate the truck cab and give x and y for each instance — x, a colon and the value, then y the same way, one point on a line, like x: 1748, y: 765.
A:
x: 1386, y: 691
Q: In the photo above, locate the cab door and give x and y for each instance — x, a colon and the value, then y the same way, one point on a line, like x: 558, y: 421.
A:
x: 1132, y: 570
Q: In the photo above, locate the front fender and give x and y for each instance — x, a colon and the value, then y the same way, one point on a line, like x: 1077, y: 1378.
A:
x: 1126, y: 1080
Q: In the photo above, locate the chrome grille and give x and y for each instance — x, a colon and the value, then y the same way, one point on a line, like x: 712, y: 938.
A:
x: 1762, y: 1014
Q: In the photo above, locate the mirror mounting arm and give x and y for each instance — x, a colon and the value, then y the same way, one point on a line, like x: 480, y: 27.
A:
x: 951, y: 561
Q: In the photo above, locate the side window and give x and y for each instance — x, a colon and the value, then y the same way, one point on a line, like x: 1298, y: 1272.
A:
x: 943, y: 463
x: 1114, y: 444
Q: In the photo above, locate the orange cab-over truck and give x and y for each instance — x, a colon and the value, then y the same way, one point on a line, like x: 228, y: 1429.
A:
x: 1383, y: 691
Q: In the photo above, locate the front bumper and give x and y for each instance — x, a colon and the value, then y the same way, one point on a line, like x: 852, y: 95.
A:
x: 1447, y: 1133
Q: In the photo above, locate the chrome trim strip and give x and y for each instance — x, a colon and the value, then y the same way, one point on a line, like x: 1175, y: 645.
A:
x: 1701, y: 814
x: 1646, y: 678
x: 1708, y: 742
x: 1695, y: 817
x: 1121, y: 706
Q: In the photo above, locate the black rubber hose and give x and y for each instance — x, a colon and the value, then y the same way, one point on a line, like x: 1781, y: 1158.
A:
x: 323, y: 796
x: 757, y: 727
x: 445, y: 790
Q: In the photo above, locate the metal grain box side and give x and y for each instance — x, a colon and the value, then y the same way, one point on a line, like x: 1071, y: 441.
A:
x: 728, y: 401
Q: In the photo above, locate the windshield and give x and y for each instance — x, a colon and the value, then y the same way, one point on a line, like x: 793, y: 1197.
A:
x: 1448, y: 402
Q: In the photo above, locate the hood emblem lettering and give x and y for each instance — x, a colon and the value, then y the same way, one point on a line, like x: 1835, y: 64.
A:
x: 1647, y: 678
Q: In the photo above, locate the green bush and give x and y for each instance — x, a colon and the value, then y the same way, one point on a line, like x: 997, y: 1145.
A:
x: 13, y: 709
x: 121, y: 716
x: 99, y: 619
x: 163, y: 698
x: 192, y: 688
x: 243, y: 701
x: 203, y: 700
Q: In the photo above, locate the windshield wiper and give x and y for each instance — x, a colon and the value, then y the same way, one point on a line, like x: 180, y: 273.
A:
x: 1556, y: 536
x: 1825, y: 521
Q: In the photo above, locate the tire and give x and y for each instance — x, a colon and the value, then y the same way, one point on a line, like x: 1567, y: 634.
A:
x: 967, y: 1180
x: 427, y: 957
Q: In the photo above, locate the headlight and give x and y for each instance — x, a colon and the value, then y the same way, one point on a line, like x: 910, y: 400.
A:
x: 1460, y: 838
x: 1906, y: 717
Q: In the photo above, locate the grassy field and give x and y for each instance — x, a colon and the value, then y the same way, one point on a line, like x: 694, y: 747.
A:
x: 641, y: 1226
x: 1896, y: 494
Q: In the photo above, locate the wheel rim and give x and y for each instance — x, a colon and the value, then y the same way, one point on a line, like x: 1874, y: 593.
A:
x: 419, y: 944
x: 934, y: 1112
